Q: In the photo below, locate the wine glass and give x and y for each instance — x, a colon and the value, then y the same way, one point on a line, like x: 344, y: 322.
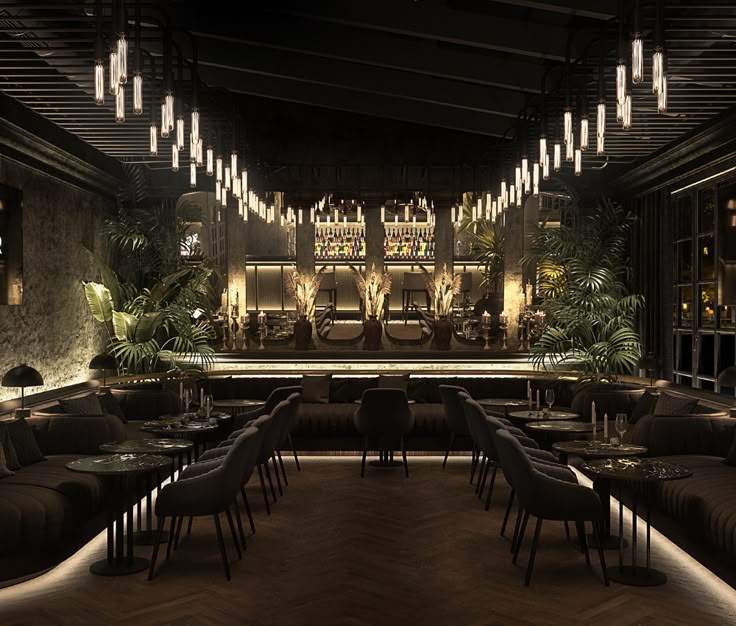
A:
x: 622, y: 425
x: 549, y: 398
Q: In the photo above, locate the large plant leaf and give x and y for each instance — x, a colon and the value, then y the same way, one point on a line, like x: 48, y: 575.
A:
x: 99, y: 300
x: 123, y: 325
x: 109, y: 278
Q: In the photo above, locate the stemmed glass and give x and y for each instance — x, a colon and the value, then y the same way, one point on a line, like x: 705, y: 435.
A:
x: 622, y: 425
x: 549, y: 398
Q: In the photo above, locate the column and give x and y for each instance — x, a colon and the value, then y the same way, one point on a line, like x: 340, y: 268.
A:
x: 305, y: 243
x: 235, y: 245
x: 374, y: 235
x: 513, y: 299
x: 444, y: 240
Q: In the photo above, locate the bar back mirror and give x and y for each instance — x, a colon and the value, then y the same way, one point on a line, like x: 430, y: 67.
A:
x: 11, y: 245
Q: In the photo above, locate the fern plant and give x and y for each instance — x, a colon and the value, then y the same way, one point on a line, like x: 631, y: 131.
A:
x: 589, y: 311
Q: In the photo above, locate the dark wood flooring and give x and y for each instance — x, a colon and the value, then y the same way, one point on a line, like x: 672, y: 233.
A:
x: 382, y: 550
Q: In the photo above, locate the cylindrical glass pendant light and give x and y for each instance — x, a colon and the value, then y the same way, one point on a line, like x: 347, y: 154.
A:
x: 567, y: 126
x: 545, y: 167
x: 535, y: 179
x: 227, y: 178
x: 122, y: 58
x: 234, y: 162
x: 517, y: 178
x: 218, y: 191
x: 557, y: 161
x: 114, y: 79
x: 164, y: 122
x: 584, y: 132
x: 578, y: 162
x: 192, y: 174
x: 621, y: 82
x: 210, y: 170
x: 662, y: 95
x: 244, y: 180
x: 137, y: 93
x: 195, y: 125
x: 637, y: 59
x: 153, y: 139
x: 569, y: 151
x: 200, y: 153
x: 174, y: 158
x: 626, y: 122
x: 524, y: 167
x: 218, y: 169
x: 528, y: 183
x: 657, y: 70
x: 99, y: 81
x: 600, y: 131
x: 180, y: 132
x: 169, y: 103
x: 542, y: 148
x: 120, y: 105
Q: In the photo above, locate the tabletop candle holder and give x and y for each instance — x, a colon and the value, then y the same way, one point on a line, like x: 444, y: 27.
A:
x: 503, y: 326
x: 262, y: 329
x: 486, y: 324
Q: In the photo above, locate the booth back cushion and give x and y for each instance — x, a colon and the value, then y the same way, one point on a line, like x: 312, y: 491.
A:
x: 610, y: 399
x: 684, y: 434
x: 75, y: 434
x: 146, y: 404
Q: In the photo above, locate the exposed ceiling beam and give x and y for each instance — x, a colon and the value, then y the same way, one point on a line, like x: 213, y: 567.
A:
x: 365, y: 103
x: 242, y: 62
x: 438, y: 23
x: 595, y: 10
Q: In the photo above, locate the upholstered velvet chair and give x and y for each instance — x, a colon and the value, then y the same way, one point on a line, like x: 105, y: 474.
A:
x: 548, y: 498
x: 455, y: 416
x: 209, y: 494
x: 384, y: 419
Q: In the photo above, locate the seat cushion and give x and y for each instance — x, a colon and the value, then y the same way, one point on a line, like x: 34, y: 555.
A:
x: 316, y: 388
x: 670, y: 404
x: 76, y: 434
x: 644, y: 406
x: 84, y: 405
x: 24, y: 442
x: 11, y: 458
x: 111, y: 406
x: 705, y: 502
x: 4, y: 470
x: 393, y: 381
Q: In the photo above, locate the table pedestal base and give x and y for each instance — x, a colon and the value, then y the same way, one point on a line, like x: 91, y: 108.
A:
x: 122, y: 568
x: 150, y: 537
x: 637, y: 576
x: 386, y: 459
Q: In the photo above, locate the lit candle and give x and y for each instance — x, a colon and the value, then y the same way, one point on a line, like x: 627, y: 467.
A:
x: 605, y: 427
x: 502, y: 320
x: 262, y: 318
x: 486, y: 318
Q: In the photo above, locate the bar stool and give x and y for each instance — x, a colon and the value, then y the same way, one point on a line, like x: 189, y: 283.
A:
x: 413, y: 283
x: 329, y: 286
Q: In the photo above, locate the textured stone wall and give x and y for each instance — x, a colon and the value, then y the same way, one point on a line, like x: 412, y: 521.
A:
x: 52, y: 330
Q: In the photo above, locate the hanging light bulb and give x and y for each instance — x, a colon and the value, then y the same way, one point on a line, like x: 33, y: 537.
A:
x: 99, y: 81
x: 601, y: 129
x: 245, y: 212
x: 535, y: 180
x: 517, y: 178
x: 519, y: 196
x: 657, y: 70
x: 236, y: 186
x: 662, y: 95
x: 545, y: 167
x: 195, y: 125
x: 234, y: 162
x: 137, y: 93
x: 626, y: 122
x: 164, y: 123
x: 584, y: 132
x: 210, y: 170
x: 528, y: 183
x: 569, y: 151
x: 114, y: 77
x: 153, y: 139
x: 192, y: 174
x: 557, y: 162
x: 503, y: 189
x: 122, y: 58
x: 524, y: 167
x: 169, y: 103
x: 218, y: 191
x: 637, y: 59
x: 578, y: 162
x: 621, y: 82
x: 200, y: 153
x: 512, y: 195
x: 223, y: 197
x: 180, y: 132
x: 120, y: 105
x: 227, y: 179
x: 542, y: 148
x: 244, y: 180
x: 174, y: 158
x: 218, y: 169
x: 568, y: 132
x: 240, y: 207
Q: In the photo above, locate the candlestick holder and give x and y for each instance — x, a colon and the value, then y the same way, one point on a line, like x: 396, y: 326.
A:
x: 262, y: 330
x: 244, y: 325
x: 225, y: 330
x: 486, y: 335
x: 503, y: 326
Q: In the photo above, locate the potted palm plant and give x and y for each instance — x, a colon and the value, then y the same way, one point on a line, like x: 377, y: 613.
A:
x: 373, y: 289
x: 443, y: 289
x: 487, y: 244
x: 303, y: 287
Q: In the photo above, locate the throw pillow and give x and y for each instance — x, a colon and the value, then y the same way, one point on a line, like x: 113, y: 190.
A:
x: 393, y: 381
x: 671, y: 405
x: 24, y: 442
x: 111, y: 406
x: 316, y: 388
x: 5, y: 471
x: 85, y: 405
x: 644, y: 406
x: 11, y: 458
x: 731, y: 456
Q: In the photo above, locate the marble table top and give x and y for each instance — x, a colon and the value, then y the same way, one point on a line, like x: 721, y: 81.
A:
x: 556, y: 414
x: 598, y: 449
x: 636, y: 469
x: 169, y: 447
x: 562, y: 426
x: 119, y: 464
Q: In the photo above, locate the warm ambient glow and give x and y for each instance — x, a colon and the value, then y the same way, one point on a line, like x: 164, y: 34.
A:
x: 122, y: 59
x: 535, y: 179
x: 227, y: 179
x: 657, y: 70
x: 164, y: 124
x: 557, y: 164
x: 626, y: 122
x: 542, y: 149
x: 114, y: 79
x: 137, y: 93
x: 169, y: 111
x: 192, y: 174
x: 200, y: 153
x: 568, y: 132
x: 153, y: 143
x: 601, y: 129
x: 620, y: 82
x: 120, y: 105
x: 234, y: 162
x: 524, y: 167
x: 210, y: 161
x: 578, y: 162
x: 218, y: 169
x: 584, y: 132
x: 662, y: 95
x: 569, y: 151
x: 174, y: 158
x: 545, y: 167
x: 180, y: 132
x: 99, y: 82
x: 637, y: 59
x: 195, y: 126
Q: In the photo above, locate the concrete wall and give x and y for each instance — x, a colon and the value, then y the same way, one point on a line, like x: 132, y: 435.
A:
x: 52, y: 330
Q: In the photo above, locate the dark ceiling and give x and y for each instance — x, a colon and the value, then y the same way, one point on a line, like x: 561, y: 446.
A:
x: 331, y: 82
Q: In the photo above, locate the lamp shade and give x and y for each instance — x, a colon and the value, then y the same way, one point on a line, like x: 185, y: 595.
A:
x: 727, y: 378
x: 103, y: 362
x: 22, y: 376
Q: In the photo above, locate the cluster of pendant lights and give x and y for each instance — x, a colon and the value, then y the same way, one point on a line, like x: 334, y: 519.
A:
x: 526, y: 176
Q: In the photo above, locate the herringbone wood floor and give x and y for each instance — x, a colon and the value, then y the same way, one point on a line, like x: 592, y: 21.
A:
x: 382, y: 550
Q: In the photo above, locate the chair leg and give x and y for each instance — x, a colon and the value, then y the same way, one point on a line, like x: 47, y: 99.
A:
x: 233, y: 533
x: 283, y: 469
x: 403, y: 456
x: 247, y: 509
x: 517, y: 525
x: 481, y: 469
x: 508, y: 512
x: 535, y: 541
x: 580, y: 527
x: 278, y: 478
x: 270, y: 482
x: 601, y: 555
x: 179, y: 522
x: 239, y: 520
x: 449, y: 447
x: 172, y: 532
x: 490, y: 486
x: 293, y: 449
x: 263, y: 488
x: 221, y: 541
x: 567, y: 529
x: 520, y: 538
x: 485, y: 478
x: 362, y: 463
x: 473, y: 463
x: 154, y: 556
